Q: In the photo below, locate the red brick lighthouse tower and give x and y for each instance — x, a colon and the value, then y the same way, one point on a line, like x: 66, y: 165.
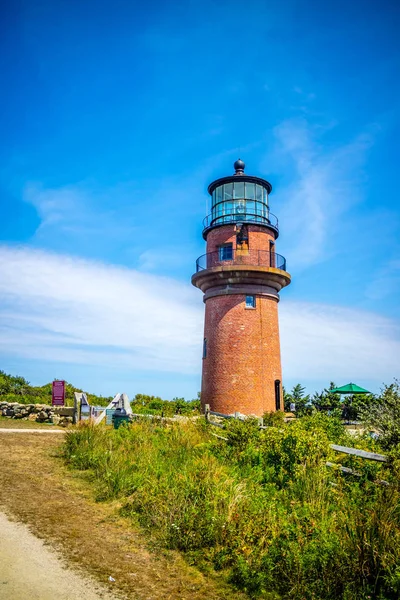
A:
x: 241, y: 276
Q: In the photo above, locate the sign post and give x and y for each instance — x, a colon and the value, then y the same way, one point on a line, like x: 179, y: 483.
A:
x: 58, y: 393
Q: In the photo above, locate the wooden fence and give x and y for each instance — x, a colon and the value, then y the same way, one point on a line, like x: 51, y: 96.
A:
x: 343, y: 449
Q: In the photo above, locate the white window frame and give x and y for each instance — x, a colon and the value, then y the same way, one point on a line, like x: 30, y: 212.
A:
x: 253, y: 305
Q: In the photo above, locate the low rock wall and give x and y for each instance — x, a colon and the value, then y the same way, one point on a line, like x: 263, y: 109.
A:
x: 41, y: 413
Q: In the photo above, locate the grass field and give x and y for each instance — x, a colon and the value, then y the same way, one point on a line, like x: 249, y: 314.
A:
x: 172, y: 512
x: 6, y: 423
x: 58, y: 505
x: 261, y: 508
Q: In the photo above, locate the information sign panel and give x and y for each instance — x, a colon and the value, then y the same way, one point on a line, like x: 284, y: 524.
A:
x: 58, y: 393
x: 109, y: 415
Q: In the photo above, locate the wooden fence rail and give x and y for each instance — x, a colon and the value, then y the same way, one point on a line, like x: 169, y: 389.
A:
x: 236, y: 415
x: 344, y: 449
x: 360, y: 453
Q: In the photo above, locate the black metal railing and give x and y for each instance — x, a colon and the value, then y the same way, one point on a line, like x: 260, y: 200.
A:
x: 226, y: 256
x: 215, y: 219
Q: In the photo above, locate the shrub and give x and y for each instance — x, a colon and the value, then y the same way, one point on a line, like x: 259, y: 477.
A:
x: 274, y: 419
x: 262, y: 507
x: 383, y: 415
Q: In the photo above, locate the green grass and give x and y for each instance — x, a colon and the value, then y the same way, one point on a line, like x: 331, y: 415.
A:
x: 262, y: 507
x: 6, y: 423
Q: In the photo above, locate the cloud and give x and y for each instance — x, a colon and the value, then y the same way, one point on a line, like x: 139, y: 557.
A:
x: 86, y: 214
x: 326, y: 342
x: 157, y: 260
x: 73, y: 310
x: 76, y: 211
x: 326, y: 182
x: 385, y: 282
x: 306, y: 95
x: 57, y: 308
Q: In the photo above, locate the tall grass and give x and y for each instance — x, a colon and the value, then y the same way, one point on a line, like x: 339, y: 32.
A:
x: 262, y: 507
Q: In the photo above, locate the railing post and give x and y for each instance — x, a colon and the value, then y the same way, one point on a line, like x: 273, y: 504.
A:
x: 207, y: 412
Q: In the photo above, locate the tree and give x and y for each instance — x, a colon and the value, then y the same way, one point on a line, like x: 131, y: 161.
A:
x: 145, y: 400
x: 296, y: 396
x: 13, y: 384
x: 327, y: 401
x: 180, y: 405
x: 383, y: 415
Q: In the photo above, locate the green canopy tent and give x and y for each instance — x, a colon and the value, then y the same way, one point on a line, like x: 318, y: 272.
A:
x: 350, y: 388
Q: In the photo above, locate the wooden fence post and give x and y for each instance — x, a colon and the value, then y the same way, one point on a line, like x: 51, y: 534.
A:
x: 207, y: 412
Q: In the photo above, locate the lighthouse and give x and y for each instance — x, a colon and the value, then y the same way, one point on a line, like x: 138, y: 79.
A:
x: 241, y: 276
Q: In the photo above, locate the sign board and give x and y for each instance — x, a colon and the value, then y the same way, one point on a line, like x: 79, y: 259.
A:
x: 109, y: 414
x: 58, y: 393
x: 292, y: 407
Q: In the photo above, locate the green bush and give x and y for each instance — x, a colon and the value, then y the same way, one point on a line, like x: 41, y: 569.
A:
x: 153, y: 405
x: 262, y: 507
x: 274, y: 419
x: 383, y: 415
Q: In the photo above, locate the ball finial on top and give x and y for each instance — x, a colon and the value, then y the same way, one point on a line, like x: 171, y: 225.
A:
x: 239, y: 166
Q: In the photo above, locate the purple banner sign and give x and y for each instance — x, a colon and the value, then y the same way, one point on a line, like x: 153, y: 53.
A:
x: 58, y: 393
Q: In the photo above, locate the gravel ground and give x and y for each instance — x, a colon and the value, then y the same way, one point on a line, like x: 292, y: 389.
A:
x: 29, y: 570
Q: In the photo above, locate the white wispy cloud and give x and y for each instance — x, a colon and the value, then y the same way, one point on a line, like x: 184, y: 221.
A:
x: 57, y: 308
x: 88, y: 215
x: 78, y: 210
x: 327, y: 342
x: 326, y: 182
x: 385, y: 282
x: 74, y: 310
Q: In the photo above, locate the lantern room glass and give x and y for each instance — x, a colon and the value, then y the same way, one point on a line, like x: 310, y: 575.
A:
x: 240, y: 201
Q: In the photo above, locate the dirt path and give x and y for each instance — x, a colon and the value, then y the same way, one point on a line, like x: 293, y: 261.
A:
x: 30, y: 571
x: 28, y: 431
x: 58, y: 505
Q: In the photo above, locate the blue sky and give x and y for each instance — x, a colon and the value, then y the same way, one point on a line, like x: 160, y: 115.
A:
x: 114, y: 119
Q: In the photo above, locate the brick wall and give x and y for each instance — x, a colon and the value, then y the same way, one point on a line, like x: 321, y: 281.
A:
x: 243, y: 355
x: 259, y: 237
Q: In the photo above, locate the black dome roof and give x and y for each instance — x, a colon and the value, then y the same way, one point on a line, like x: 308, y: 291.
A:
x: 239, y: 165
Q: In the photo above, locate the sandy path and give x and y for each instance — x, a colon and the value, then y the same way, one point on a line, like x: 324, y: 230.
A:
x: 31, y: 571
x: 46, y: 431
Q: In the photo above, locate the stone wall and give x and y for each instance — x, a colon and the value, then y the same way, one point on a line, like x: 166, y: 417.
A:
x: 40, y: 413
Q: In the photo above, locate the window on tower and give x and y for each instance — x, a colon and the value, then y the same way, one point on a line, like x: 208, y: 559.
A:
x: 226, y: 252
x: 205, y: 348
x: 250, y: 301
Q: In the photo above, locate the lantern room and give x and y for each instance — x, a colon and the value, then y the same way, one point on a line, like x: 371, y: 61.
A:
x: 239, y: 198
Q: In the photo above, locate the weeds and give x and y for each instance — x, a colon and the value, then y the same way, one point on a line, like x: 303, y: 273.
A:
x: 262, y: 507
